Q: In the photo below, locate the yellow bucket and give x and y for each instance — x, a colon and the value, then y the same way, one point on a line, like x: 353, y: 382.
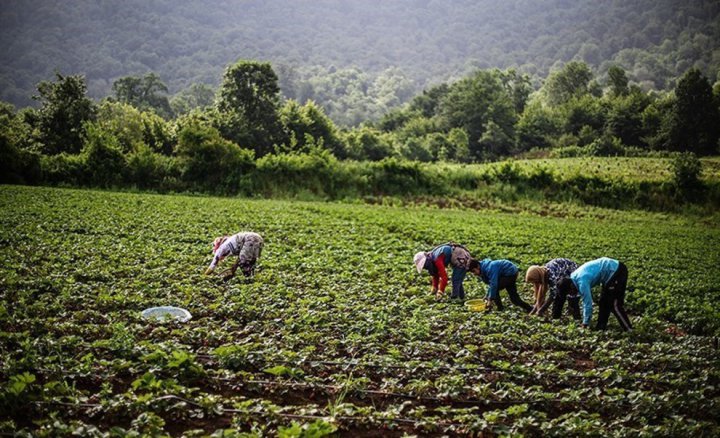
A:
x: 476, y: 305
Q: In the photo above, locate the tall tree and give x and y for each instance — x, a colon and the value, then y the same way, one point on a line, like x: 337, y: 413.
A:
x: 248, y: 106
x: 573, y: 80
x: 618, y: 81
x: 475, y: 101
x: 18, y: 163
x: 695, y: 119
x: 64, y: 109
x: 624, y: 117
x: 144, y: 93
x: 428, y: 102
x: 518, y: 86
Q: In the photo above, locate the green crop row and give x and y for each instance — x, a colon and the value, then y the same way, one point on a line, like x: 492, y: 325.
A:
x: 337, y: 333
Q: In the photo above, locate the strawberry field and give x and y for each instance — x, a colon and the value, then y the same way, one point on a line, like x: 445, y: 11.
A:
x: 337, y: 334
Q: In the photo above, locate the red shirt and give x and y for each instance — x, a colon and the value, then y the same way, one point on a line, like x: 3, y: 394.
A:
x: 440, y: 281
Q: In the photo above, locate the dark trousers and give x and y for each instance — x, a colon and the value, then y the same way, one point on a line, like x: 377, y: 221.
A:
x: 573, y: 305
x: 612, y: 299
x: 458, y: 276
x: 510, y: 284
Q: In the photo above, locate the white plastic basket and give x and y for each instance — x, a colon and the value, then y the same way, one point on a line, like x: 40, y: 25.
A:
x: 166, y: 313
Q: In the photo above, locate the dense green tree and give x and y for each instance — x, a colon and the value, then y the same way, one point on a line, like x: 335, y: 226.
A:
x: 624, y: 117
x: 618, y: 81
x: 572, y: 80
x: 365, y: 143
x: 309, y: 119
x: 390, y: 89
x: 583, y: 110
x: 134, y: 128
x: 606, y: 145
x: 395, y: 119
x: 418, y: 126
x: 248, y: 104
x: 124, y: 122
x: 494, y: 142
x: 428, y: 102
x: 150, y: 170
x: 537, y: 126
x: 519, y: 88
x: 193, y: 97
x: 158, y: 133
x: 473, y: 102
x: 695, y: 119
x: 103, y: 157
x: 686, y: 168
x: 415, y: 149
x: 145, y: 93
x: 19, y: 163
x: 656, y: 121
x: 457, y: 147
x: 64, y: 110
x: 210, y: 161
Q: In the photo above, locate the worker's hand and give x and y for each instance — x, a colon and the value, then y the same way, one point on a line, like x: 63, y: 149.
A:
x: 584, y: 326
x: 439, y: 295
x: 209, y: 271
x: 227, y: 278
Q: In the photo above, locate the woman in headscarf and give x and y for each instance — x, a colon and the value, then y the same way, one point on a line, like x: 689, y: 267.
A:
x: 247, y: 246
x: 437, y: 260
x: 545, y: 280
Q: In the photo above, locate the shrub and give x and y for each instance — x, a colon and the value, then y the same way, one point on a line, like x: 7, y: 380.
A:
x: 150, y: 170
x: 315, y: 171
x: 208, y: 161
x: 368, y: 144
x: 18, y: 166
x: 606, y: 146
x: 103, y: 158
x: 63, y: 169
x: 393, y: 176
x: 686, y: 168
x: 570, y: 152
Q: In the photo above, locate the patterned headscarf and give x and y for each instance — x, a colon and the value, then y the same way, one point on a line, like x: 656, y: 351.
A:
x: 217, y: 242
x: 537, y: 274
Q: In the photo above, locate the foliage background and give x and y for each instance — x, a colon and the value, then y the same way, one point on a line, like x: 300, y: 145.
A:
x: 356, y: 58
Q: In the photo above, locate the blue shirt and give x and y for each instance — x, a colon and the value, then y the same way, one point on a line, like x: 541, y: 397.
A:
x: 492, y: 270
x: 589, y: 275
x: 445, y: 250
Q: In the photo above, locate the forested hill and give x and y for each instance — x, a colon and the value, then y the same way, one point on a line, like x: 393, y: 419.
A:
x: 408, y: 43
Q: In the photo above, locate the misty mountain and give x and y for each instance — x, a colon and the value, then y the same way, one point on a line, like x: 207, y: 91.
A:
x: 418, y: 41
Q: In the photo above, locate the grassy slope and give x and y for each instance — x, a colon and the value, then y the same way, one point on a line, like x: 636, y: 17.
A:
x: 633, y: 169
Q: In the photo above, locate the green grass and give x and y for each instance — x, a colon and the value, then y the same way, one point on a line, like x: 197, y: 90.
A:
x: 626, y: 169
x: 337, y: 332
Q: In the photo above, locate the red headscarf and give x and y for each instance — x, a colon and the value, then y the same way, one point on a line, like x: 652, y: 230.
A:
x: 217, y: 242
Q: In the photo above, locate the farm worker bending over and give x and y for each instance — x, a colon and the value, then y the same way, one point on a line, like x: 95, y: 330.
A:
x: 612, y: 275
x: 501, y: 274
x: 546, y: 279
x: 247, y: 246
x: 436, y: 261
